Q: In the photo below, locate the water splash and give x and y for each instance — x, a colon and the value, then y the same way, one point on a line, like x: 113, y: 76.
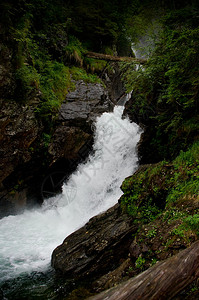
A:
x: 27, y: 240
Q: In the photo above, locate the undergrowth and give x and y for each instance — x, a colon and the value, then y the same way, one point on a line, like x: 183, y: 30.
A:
x: 156, y: 189
x: 40, y: 75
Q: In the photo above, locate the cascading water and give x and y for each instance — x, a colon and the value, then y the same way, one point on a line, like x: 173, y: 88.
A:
x: 27, y: 240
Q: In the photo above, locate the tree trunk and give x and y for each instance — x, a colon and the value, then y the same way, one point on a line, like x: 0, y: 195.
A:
x: 115, y: 58
x: 162, y: 281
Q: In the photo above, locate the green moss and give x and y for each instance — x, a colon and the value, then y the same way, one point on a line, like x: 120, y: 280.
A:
x: 140, y: 262
x: 175, y: 225
x: 28, y: 80
x: 55, y: 83
x: 192, y: 222
x: 95, y: 65
x: 142, y: 195
x: 162, y: 186
x: 74, y: 51
x: 81, y: 74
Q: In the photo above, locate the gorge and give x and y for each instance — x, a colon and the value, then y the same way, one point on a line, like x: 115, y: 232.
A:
x: 95, y: 196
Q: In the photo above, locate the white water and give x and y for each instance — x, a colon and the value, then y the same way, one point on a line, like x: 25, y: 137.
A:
x: 27, y: 240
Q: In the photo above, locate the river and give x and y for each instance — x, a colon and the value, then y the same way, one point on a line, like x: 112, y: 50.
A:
x: 28, y: 239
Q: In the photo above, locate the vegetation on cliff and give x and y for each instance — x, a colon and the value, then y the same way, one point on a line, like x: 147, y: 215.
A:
x: 43, y: 55
x: 165, y: 91
x: 162, y: 197
x: 49, y: 38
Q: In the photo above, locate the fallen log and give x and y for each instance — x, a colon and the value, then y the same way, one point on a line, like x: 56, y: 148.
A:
x: 161, y: 282
x: 115, y: 58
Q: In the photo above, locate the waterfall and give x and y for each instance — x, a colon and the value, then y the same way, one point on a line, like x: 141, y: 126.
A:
x: 28, y: 239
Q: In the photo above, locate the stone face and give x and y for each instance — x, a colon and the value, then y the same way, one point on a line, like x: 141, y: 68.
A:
x: 146, y: 153
x: 18, y: 130
x: 88, y: 101
x: 76, y: 116
x: 22, y: 149
x: 92, y: 249
x: 67, y: 142
x: 28, y: 153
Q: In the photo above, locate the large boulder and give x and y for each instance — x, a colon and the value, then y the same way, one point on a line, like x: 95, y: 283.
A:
x: 76, y: 116
x: 90, y: 251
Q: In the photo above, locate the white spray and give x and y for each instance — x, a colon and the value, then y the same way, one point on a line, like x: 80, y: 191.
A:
x: 27, y: 240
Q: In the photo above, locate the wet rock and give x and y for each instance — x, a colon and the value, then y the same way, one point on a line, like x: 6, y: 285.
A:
x: 77, y: 114
x: 88, y: 101
x: 147, y: 152
x: 18, y: 130
x: 25, y: 160
x: 92, y: 249
x: 67, y: 142
x: 135, y: 249
x: 112, y: 278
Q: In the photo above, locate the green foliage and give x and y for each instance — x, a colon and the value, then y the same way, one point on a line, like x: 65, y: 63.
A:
x: 152, y: 233
x: 36, y: 70
x: 153, y: 262
x: 186, y: 175
x: 46, y: 139
x: 28, y: 79
x: 189, y: 159
x: 74, y: 51
x: 180, y: 192
x: 81, y: 74
x: 55, y: 82
x: 192, y: 222
x: 99, y: 23
x: 179, y: 231
x: 144, y: 193
x: 165, y: 91
x: 140, y: 262
x: 162, y: 188
x: 95, y: 65
x: 189, y: 223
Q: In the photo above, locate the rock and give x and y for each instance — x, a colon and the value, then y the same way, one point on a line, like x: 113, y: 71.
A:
x: 88, y: 101
x: 19, y: 128
x: 112, y: 278
x: 1, y: 295
x: 74, y: 127
x: 135, y: 249
x: 67, y: 142
x: 91, y: 250
x: 19, y: 133
x: 24, y: 159
x: 147, y: 152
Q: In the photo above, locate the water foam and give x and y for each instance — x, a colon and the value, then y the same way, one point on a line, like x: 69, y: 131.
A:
x: 27, y: 240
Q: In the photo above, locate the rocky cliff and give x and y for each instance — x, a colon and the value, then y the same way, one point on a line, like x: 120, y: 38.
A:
x: 28, y: 155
